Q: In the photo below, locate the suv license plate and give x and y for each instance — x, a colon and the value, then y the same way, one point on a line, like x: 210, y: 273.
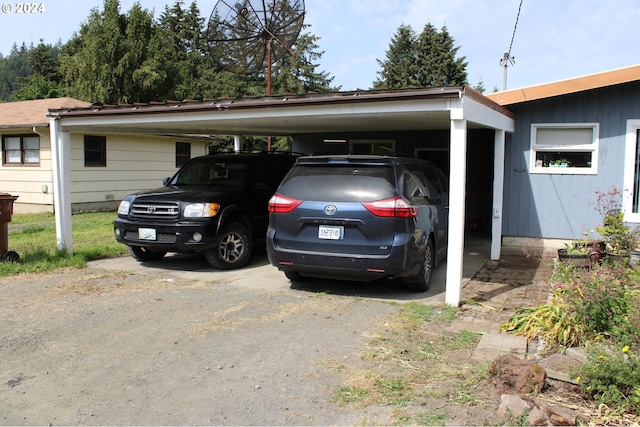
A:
x: 330, y: 233
x: 146, y: 233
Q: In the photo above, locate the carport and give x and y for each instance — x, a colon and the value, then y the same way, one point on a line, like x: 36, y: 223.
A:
x: 454, y: 109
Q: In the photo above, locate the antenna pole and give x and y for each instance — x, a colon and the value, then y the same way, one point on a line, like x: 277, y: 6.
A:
x: 504, y: 62
x: 269, y: 67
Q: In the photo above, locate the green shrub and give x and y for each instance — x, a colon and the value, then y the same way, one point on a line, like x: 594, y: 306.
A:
x: 599, y: 299
x: 611, y: 376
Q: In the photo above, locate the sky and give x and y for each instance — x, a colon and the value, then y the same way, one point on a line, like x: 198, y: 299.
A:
x: 554, y: 39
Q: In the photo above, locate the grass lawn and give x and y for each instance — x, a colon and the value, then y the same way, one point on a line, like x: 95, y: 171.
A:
x: 33, y: 237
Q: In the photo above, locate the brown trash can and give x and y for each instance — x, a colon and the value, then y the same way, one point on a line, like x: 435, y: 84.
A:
x: 6, y: 212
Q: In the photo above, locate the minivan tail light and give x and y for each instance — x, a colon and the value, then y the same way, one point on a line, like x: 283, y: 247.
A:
x: 281, y: 204
x: 392, y: 208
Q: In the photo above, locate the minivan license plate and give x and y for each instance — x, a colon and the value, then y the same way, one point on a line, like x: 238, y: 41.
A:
x: 330, y: 232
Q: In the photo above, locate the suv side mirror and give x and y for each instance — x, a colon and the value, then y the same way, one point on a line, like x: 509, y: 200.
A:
x: 166, y: 180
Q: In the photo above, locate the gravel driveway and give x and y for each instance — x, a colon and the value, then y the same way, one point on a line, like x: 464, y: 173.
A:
x: 175, y: 342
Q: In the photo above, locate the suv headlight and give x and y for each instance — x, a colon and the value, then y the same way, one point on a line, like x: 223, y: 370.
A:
x: 123, y: 208
x: 201, y: 210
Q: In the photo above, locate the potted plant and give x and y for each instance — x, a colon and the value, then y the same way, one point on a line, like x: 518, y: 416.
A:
x: 577, y: 253
x: 619, y: 238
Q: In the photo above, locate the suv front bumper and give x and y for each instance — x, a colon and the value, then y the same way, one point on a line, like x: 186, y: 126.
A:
x: 177, y: 237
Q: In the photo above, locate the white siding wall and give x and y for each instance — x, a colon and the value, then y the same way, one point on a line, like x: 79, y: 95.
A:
x: 134, y: 163
x: 27, y: 182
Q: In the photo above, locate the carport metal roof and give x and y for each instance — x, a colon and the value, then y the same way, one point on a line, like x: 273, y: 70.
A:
x: 453, y: 108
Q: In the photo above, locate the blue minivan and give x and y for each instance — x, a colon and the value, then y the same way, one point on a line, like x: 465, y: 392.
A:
x: 360, y: 217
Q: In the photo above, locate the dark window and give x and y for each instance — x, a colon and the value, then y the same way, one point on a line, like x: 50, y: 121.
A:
x: 95, y: 150
x: 183, y: 153
x: 21, y: 150
x: 340, y: 183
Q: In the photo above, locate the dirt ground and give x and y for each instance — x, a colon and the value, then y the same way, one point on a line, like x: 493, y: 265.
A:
x: 105, y: 347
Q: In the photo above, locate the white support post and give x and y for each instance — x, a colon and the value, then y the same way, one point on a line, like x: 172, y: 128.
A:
x: 498, y: 190
x: 457, y: 184
x: 238, y: 140
x: 60, y: 163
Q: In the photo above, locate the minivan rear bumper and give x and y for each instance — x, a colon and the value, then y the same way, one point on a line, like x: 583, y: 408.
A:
x: 345, y: 266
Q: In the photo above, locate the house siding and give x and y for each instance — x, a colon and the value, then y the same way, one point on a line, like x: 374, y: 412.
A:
x: 134, y: 163
x: 31, y: 183
x: 563, y: 206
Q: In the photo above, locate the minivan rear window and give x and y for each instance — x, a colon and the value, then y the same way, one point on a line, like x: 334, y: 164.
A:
x: 339, y: 183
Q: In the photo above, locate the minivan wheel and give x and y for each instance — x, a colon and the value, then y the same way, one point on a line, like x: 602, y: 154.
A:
x: 294, y: 276
x: 422, y: 282
x: 143, y: 254
x: 232, y: 248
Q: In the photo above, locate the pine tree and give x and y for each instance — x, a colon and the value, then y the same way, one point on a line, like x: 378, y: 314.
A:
x: 399, y: 69
x: 296, y: 73
x: 44, y: 82
x: 102, y: 61
x: 426, y: 60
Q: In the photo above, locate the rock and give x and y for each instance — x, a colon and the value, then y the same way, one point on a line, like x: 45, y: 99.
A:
x: 513, y: 375
x: 514, y: 407
x: 538, y: 417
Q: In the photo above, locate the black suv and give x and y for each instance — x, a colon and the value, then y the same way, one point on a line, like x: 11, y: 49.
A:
x: 361, y: 218
x: 215, y: 204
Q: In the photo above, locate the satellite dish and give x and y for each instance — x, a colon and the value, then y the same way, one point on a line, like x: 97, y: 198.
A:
x: 246, y: 35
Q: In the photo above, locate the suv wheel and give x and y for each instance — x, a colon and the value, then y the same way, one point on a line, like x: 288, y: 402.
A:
x: 422, y: 282
x: 232, y: 248
x: 143, y: 254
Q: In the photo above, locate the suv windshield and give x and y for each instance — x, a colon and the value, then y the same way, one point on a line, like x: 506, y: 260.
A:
x: 343, y: 183
x: 212, y: 172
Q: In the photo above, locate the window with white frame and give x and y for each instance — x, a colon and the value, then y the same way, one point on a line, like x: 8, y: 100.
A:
x: 570, y: 148
x: 21, y: 150
x: 631, y: 199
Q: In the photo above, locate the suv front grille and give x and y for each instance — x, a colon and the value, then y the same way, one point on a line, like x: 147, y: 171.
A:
x: 160, y: 210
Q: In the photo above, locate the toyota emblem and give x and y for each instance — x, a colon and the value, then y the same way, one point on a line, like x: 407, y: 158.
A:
x: 330, y: 210
x: 151, y: 209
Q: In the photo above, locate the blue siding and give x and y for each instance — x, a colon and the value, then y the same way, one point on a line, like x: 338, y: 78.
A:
x: 563, y: 206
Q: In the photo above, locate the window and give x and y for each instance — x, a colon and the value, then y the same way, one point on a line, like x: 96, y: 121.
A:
x: 631, y: 199
x: 95, y: 150
x: 21, y: 150
x: 564, y: 148
x: 183, y: 153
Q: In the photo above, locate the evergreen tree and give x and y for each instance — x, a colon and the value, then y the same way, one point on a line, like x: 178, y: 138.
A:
x: 44, y: 82
x: 296, y: 73
x: 436, y: 61
x: 100, y: 62
x: 13, y: 68
x: 424, y: 61
x: 399, y: 69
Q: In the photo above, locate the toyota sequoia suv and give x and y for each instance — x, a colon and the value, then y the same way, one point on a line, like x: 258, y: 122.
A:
x: 360, y: 217
x: 215, y: 204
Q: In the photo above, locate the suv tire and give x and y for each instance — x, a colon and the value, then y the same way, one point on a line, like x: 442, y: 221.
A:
x: 232, y: 248
x: 144, y: 254
x: 422, y: 282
